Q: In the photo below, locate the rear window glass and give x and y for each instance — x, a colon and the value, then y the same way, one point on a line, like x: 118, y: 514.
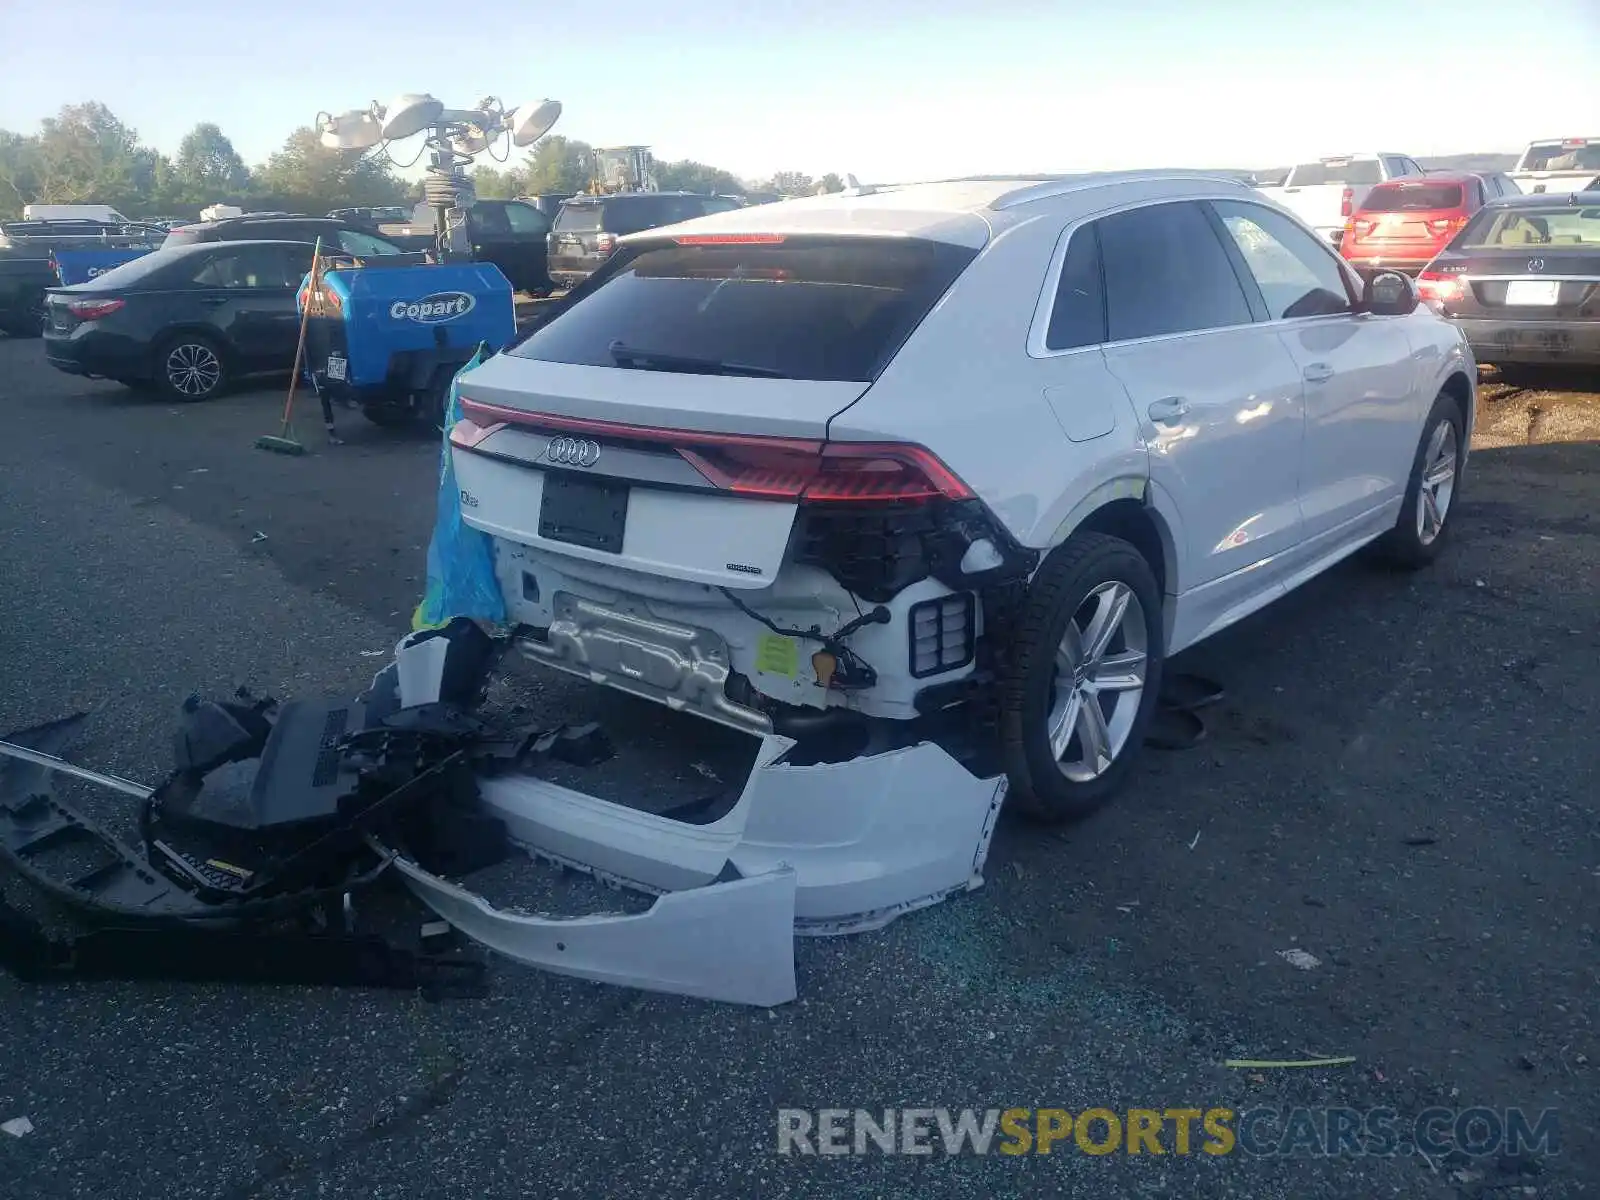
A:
x: 578, y: 218
x: 1554, y: 158
x: 1336, y: 170
x: 1411, y: 197
x: 632, y: 214
x: 1519, y: 228
x: 817, y: 308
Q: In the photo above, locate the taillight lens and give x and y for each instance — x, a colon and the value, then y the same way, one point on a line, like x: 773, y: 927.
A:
x: 1446, y: 226
x: 328, y: 301
x: 771, y: 468
x: 606, y: 243
x: 467, y: 433
x: 1437, y: 286
x: 850, y: 472
x: 93, y: 310
x: 1347, y: 202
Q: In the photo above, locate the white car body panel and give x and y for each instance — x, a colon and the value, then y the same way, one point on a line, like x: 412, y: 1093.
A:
x: 1559, y: 178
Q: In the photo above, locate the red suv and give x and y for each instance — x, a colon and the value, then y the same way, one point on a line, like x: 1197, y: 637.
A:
x: 1403, y: 223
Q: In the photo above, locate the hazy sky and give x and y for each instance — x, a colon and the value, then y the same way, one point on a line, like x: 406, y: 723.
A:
x: 886, y: 89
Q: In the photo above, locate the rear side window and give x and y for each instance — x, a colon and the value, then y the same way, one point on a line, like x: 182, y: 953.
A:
x: 1166, y: 272
x: 812, y: 308
x: 1408, y: 197
x: 1079, y: 315
x: 1347, y: 171
x: 577, y: 218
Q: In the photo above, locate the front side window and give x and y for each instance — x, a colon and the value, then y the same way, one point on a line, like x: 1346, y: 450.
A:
x: 1296, y: 275
x: 525, y: 218
x: 487, y: 219
x: 1078, y: 317
x: 1166, y: 272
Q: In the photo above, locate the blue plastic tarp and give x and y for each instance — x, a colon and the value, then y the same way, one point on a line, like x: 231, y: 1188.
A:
x: 461, y: 578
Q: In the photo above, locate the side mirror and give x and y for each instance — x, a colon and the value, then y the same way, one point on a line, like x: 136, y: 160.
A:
x: 1389, y: 294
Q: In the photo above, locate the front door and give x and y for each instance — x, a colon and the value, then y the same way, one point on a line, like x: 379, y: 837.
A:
x: 1217, y: 395
x: 1358, y: 372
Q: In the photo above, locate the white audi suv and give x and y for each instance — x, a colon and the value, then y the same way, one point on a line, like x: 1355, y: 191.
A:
x: 963, y: 460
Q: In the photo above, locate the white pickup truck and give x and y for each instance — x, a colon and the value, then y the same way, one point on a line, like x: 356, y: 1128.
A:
x: 1559, y: 165
x: 1327, y: 192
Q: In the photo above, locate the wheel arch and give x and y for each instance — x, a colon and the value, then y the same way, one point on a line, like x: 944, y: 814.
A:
x: 192, y: 329
x: 1460, y: 387
x: 1130, y: 509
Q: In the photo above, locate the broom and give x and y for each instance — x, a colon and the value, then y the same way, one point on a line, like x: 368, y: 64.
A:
x: 281, y: 442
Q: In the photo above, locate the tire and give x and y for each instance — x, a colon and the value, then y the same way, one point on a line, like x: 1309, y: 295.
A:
x: 191, y: 368
x: 1431, y: 491
x: 1092, y: 574
x: 29, y: 324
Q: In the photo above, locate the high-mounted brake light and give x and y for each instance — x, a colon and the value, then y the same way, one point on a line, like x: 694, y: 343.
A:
x: 93, y: 310
x: 798, y: 470
x: 729, y: 239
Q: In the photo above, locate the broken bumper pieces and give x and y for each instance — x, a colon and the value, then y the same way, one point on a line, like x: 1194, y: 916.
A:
x: 405, y: 781
x: 819, y: 849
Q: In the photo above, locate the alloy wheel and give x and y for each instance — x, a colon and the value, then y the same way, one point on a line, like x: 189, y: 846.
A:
x: 1099, y: 682
x: 1438, y: 484
x: 193, y: 369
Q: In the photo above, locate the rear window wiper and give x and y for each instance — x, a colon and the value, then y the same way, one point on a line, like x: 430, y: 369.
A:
x: 651, y: 360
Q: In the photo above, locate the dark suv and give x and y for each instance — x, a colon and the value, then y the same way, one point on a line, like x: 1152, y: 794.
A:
x: 343, y: 236
x: 586, y: 229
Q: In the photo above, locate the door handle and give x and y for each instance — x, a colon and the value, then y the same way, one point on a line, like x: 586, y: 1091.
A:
x: 214, y: 301
x: 1318, y: 373
x: 1171, y: 408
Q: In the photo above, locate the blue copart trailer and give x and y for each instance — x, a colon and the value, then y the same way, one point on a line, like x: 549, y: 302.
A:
x: 389, y: 338
x: 80, y: 266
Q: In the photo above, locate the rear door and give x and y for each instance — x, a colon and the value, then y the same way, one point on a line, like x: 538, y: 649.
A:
x: 1360, y: 399
x: 1216, y: 394
x: 247, y: 291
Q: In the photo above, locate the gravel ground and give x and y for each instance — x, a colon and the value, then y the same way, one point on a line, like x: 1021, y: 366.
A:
x: 1399, y: 783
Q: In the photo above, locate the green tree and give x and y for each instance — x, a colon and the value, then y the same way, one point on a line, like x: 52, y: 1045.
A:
x: 208, y: 169
x: 687, y: 175
x: 831, y: 182
x: 492, y: 184
x: 18, y: 184
x: 790, y: 183
x: 84, y: 154
x: 306, y: 176
x: 559, y: 164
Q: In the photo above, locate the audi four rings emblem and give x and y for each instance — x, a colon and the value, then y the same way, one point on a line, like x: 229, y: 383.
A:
x: 573, y: 452
x: 1536, y: 264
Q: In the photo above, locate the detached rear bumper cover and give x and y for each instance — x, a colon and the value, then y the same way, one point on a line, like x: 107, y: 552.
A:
x: 823, y: 849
